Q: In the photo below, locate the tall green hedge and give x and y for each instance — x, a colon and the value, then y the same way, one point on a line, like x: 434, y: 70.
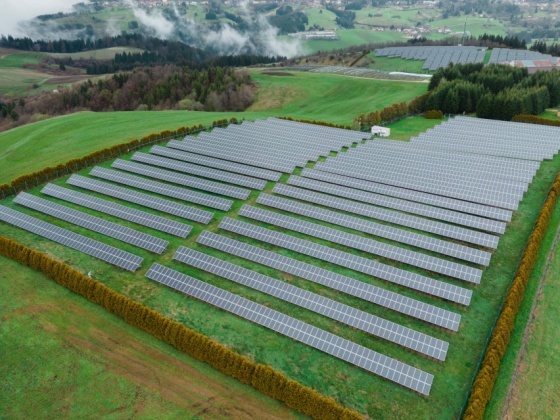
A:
x: 481, y: 390
x: 263, y: 378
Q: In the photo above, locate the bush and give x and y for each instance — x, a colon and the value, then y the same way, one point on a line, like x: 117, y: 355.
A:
x: 434, y: 114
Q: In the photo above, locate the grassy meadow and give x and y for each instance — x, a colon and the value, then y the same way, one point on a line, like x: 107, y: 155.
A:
x: 302, y: 95
x: 63, y: 355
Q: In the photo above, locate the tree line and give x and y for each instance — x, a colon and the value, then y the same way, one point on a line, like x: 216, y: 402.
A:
x: 144, y: 88
x: 481, y: 389
x: 261, y: 377
x: 495, y: 91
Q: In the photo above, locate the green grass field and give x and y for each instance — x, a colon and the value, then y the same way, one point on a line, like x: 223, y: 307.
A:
x: 350, y: 37
x: 305, y: 95
x: 395, y: 64
x: 475, y: 26
x: 354, y: 388
x: 65, y: 356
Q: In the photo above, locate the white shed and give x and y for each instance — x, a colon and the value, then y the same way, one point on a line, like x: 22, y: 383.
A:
x: 377, y: 130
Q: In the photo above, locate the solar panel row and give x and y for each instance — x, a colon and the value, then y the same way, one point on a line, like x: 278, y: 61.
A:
x: 96, y: 224
x: 354, y: 262
x: 145, y: 200
x: 388, y: 232
x: 350, y: 286
x: 371, y: 246
x: 163, y: 189
x: 345, y: 314
x: 72, y: 240
x: 355, y: 354
x: 118, y: 210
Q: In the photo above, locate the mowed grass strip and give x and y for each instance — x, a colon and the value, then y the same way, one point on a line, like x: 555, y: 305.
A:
x: 329, y: 98
x: 63, y: 354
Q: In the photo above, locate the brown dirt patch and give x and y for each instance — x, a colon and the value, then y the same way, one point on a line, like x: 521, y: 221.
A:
x: 174, y: 380
x: 61, y: 80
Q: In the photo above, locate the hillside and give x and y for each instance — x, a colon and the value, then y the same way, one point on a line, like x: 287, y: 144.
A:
x: 302, y: 95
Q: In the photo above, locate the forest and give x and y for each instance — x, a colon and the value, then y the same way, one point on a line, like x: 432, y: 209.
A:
x: 143, y: 89
x: 494, y: 91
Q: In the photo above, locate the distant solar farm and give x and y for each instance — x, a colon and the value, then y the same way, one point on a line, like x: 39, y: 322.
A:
x: 369, y: 251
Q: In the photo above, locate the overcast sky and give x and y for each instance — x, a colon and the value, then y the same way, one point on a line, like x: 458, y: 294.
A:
x: 14, y: 11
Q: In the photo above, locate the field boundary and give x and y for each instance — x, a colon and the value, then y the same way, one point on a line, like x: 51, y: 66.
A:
x: 529, y: 323
x: 261, y: 377
x: 498, y: 340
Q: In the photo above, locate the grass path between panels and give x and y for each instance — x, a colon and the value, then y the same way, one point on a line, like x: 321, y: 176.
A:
x: 63, y: 355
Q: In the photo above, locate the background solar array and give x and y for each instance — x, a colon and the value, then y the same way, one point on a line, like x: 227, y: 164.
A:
x: 72, y: 240
x: 355, y: 354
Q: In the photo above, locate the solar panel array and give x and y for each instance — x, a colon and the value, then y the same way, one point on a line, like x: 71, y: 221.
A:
x: 118, y: 210
x: 345, y: 314
x: 368, y: 292
x: 72, y: 240
x: 388, y: 232
x: 274, y: 144
x: 363, y: 265
x: 245, y: 181
x: 499, y: 55
x: 163, y: 189
x: 216, y: 163
x: 96, y: 224
x: 329, y: 343
x: 371, y: 246
x: 186, y: 180
x: 145, y: 200
x: 434, y: 205
x: 436, y: 56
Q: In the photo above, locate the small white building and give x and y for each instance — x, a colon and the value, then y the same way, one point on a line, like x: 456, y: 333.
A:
x: 377, y: 130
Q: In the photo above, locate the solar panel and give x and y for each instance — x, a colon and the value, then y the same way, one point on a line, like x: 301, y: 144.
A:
x: 229, y: 177
x: 343, y: 349
x: 384, y: 231
x: 145, y: 200
x: 350, y: 286
x: 72, y: 240
x: 216, y: 163
x: 122, y: 212
x: 235, y: 157
x: 419, y: 196
x: 354, y: 262
x: 185, y: 180
x: 345, y: 314
x: 162, y: 189
x: 391, y: 216
x: 391, y: 252
x: 96, y: 224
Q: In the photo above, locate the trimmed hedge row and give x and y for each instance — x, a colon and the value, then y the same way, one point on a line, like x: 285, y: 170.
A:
x: 50, y: 173
x: 433, y: 114
x: 481, y: 390
x: 533, y: 119
x: 263, y: 378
